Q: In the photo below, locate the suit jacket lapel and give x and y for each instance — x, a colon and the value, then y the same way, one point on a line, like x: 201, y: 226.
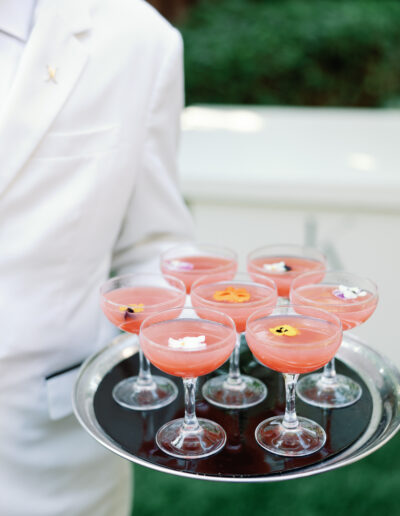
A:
x: 36, y: 98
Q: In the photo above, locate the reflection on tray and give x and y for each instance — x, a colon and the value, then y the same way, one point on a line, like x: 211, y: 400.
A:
x: 242, y: 456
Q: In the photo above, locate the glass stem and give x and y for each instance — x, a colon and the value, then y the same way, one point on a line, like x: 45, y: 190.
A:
x: 290, y: 420
x: 234, y: 378
x: 329, y: 374
x: 190, y: 422
x: 284, y: 302
x: 144, y: 377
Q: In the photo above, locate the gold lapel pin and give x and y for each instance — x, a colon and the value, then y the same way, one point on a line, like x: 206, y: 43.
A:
x: 51, y: 74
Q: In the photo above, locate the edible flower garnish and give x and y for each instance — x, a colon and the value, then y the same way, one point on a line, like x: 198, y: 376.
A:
x: 132, y: 309
x: 344, y: 292
x: 232, y: 295
x: 277, y: 267
x: 285, y: 329
x: 189, y: 343
x: 181, y: 265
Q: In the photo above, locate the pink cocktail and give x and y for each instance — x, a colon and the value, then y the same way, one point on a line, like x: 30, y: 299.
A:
x: 351, y: 311
x: 238, y: 299
x: 191, y: 362
x: 190, y: 262
x: 126, y: 301
x: 315, y: 344
x: 353, y: 300
x: 292, y: 339
x: 181, y: 344
x: 127, y: 307
x: 283, y: 263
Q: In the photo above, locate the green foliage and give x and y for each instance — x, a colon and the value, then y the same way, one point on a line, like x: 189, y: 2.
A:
x: 365, y: 488
x: 295, y: 52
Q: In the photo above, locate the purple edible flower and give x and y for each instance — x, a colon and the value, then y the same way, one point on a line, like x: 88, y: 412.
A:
x: 182, y: 266
x: 339, y: 294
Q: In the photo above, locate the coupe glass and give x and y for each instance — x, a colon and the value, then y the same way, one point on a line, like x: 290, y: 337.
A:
x: 292, y: 339
x: 126, y: 301
x: 283, y: 263
x: 189, y: 262
x: 187, y: 344
x: 353, y: 299
x: 238, y: 298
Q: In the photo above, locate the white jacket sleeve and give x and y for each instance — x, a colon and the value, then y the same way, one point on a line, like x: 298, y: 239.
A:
x: 157, y: 216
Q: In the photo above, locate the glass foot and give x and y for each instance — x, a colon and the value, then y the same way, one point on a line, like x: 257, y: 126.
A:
x: 315, y: 390
x: 247, y: 392
x: 308, y: 437
x: 208, y: 439
x: 134, y: 396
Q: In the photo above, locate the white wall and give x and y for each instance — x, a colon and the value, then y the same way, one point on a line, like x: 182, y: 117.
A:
x: 336, y: 186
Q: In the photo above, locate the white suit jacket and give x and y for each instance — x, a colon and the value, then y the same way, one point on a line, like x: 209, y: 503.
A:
x: 87, y: 184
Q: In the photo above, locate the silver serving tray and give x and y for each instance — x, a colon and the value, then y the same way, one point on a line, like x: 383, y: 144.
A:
x: 379, y: 374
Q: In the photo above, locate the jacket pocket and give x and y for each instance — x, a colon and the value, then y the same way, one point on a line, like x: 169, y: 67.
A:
x: 78, y: 144
x: 59, y: 388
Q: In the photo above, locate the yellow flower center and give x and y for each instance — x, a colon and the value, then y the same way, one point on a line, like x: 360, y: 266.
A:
x: 232, y: 295
x: 135, y: 308
x: 285, y: 329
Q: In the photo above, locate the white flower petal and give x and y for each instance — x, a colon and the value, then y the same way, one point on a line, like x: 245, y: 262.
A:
x: 351, y: 292
x: 275, y: 267
x: 188, y: 343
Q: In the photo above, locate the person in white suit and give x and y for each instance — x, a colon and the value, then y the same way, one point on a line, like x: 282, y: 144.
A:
x: 90, y: 97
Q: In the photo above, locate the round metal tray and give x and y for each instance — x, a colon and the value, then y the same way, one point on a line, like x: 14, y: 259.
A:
x: 380, y: 410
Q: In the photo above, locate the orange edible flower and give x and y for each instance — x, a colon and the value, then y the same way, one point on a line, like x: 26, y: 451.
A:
x: 232, y: 295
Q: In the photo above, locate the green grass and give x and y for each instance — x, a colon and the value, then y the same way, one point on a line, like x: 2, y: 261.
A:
x: 370, y: 486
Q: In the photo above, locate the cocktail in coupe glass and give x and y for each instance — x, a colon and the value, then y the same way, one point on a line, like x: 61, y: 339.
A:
x: 353, y: 299
x: 189, y: 262
x: 126, y: 301
x: 283, y: 263
x: 238, y: 298
x: 292, y: 339
x: 181, y: 343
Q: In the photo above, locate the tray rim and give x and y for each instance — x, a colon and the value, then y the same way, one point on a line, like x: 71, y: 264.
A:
x: 124, y: 346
